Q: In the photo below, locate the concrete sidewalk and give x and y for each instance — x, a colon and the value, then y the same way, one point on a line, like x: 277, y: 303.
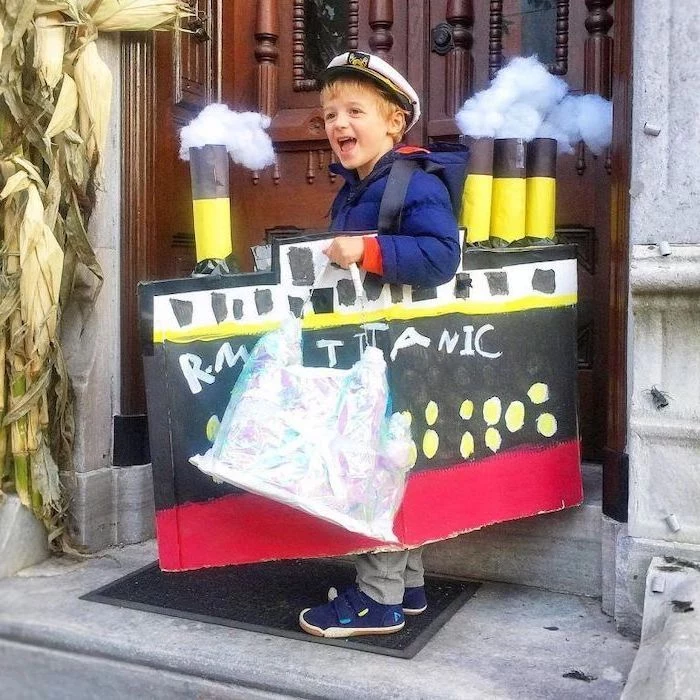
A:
x: 508, y: 641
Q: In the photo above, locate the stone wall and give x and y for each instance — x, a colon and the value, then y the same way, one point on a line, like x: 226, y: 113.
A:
x: 664, y: 339
x: 109, y: 505
x: 665, y: 182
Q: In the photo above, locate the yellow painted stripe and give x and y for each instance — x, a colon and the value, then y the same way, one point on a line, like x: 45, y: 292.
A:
x: 508, y: 208
x: 212, y: 332
x: 212, y: 227
x: 399, y: 312
x: 541, y: 202
x: 476, y: 207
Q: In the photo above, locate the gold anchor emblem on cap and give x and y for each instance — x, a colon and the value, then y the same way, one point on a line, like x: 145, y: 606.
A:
x: 358, y: 59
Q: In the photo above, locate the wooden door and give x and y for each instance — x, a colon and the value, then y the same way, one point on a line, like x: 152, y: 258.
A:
x: 263, y: 56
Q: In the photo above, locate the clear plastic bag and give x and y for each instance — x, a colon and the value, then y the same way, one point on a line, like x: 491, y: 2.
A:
x: 314, y: 438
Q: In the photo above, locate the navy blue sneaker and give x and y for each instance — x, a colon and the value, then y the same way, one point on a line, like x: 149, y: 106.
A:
x: 414, y: 602
x: 351, y: 614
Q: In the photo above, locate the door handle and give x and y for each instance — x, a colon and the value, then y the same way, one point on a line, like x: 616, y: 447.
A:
x: 442, y: 41
x: 198, y: 27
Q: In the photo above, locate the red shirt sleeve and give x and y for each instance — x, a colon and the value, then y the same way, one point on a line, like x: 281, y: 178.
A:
x: 372, y: 256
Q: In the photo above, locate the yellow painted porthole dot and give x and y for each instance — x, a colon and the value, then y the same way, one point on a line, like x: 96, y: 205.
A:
x: 412, y: 455
x: 407, y: 415
x: 538, y: 392
x: 212, y: 428
x: 546, y: 424
x: 466, y: 446
x: 466, y: 410
x: 515, y: 416
x: 493, y: 439
x: 492, y: 410
x: 431, y: 413
x: 431, y: 442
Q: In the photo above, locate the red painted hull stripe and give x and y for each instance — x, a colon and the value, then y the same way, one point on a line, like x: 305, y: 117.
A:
x: 243, y: 528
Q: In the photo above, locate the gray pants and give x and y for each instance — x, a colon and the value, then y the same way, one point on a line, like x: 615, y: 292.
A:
x: 384, y: 575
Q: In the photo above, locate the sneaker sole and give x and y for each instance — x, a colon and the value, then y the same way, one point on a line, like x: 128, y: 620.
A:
x: 414, y: 611
x: 333, y: 594
x: 340, y: 632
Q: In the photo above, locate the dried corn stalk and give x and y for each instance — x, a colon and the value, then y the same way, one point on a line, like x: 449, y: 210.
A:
x: 55, y: 94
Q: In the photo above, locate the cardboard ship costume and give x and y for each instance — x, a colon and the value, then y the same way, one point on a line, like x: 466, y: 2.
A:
x: 483, y: 368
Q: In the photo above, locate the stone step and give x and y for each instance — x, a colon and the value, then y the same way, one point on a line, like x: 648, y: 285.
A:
x: 23, y: 539
x: 506, y: 642
x: 557, y: 551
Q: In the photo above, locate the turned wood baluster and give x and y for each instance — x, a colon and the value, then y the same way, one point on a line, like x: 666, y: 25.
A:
x: 561, y: 46
x: 310, y: 167
x: 267, y: 55
x: 353, y: 23
x: 495, y: 35
x: 459, y: 65
x: 381, y: 19
x: 598, y: 52
x: 298, y: 23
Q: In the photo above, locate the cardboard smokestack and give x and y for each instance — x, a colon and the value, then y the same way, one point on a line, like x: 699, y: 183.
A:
x: 211, y: 204
x: 509, y: 190
x: 476, y: 199
x: 541, y: 188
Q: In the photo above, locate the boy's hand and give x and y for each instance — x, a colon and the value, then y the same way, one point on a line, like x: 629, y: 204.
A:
x: 346, y: 250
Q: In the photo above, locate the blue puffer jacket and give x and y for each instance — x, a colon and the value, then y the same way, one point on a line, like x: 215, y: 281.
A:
x: 425, y: 252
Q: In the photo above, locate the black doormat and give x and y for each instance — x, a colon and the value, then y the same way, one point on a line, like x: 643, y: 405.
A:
x: 268, y: 597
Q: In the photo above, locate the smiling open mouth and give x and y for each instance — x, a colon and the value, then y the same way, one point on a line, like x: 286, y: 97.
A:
x: 346, y: 144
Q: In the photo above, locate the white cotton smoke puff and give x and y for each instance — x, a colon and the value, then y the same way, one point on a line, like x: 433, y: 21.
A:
x: 526, y: 80
x: 562, y: 124
x: 243, y: 134
x: 595, y: 122
x: 586, y: 118
x: 526, y: 101
x: 515, y: 104
x: 521, y: 121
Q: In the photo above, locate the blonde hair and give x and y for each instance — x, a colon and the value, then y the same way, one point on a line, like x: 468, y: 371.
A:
x: 386, y: 105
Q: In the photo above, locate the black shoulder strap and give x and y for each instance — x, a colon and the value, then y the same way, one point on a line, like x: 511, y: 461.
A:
x: 391, y: 207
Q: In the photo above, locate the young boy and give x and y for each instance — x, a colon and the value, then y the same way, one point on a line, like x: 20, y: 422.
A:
x: 367, y: 107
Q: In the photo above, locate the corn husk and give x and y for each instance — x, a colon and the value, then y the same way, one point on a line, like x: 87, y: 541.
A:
x: 41, y: 264
x: 15, y: 183
x: 50, y: 48
x: 45, y: 480
x: 94, y: 82
x: 137, y: 15
x: 18, y: 161
x: 2, y: 44
x: 73, y: 8
x: 66, y: 108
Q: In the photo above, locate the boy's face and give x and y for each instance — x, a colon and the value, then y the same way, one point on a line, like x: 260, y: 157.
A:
x: 358, y: 132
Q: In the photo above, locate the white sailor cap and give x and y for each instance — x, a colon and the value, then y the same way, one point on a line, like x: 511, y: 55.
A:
x: 384, y: 75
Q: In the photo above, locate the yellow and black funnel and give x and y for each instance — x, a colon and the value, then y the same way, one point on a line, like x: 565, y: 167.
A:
x: 541, y: 188
x: 211, y: 203
x: 476, y: 199
x: 509, y: 190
